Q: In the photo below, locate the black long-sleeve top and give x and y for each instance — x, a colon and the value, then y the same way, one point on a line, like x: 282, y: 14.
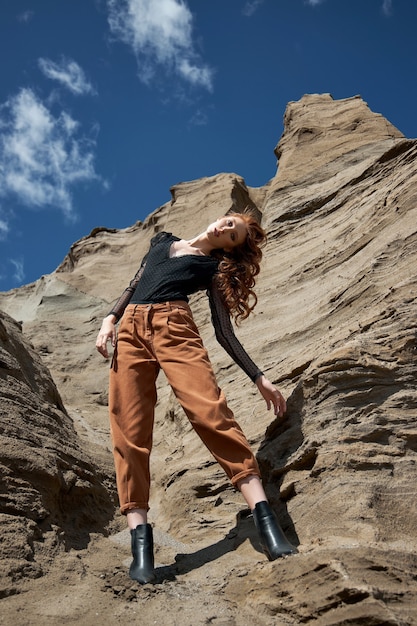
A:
x: 162, y: 278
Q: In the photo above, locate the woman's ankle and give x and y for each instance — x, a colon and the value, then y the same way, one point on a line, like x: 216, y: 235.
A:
x: 136, y: 517
x: 252, y: 490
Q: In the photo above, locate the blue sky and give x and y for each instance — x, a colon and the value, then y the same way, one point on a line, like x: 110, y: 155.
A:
x: 105, y: 104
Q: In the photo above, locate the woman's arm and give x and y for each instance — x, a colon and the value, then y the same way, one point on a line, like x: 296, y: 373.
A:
x: 272, y: 396
x: 108, y: 328
x: 119, y: 308
x: 226, y: 337
x: 106, y: 332
x: 225, y: 334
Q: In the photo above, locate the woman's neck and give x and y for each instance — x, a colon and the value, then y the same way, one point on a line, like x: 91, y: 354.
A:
x: 202, y: 243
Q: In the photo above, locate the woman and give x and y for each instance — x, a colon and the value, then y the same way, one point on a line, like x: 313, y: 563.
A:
x: 157, y: 331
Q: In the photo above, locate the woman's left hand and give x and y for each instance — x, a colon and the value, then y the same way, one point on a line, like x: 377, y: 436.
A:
x: 273, y: 397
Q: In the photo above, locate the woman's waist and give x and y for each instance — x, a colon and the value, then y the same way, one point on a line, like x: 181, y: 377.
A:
x: 169, y: 305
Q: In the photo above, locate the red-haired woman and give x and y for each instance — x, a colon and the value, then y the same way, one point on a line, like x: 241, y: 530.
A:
x: 157, y: 331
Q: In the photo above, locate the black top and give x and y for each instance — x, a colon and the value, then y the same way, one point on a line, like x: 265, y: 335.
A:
x: 166, y: 278
x: 162, y: 278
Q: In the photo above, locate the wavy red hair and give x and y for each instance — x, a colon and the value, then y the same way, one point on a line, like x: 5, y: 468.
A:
x: 238, y: 269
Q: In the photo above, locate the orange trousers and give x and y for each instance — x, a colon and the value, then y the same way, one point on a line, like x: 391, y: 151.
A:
x: 165, y: 336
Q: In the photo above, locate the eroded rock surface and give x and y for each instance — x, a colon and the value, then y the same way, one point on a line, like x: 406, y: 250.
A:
x: 335, y: 329
x: 52, y: 494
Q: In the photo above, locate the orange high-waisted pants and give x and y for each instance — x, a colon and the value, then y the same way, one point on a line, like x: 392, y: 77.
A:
x: 165, y: 336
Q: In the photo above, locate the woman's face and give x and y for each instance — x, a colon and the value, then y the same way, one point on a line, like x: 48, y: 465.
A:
x: 227, y: 232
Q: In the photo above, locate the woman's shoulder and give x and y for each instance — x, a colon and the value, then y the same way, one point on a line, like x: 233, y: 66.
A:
x: 163, y: 236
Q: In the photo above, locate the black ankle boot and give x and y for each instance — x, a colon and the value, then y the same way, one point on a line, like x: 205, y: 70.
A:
x: 274, y: 542
x: 142, y: 567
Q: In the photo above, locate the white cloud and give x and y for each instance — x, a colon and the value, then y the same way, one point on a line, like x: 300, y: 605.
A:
x: 200, y: 118
x: 69, y: 74
x: 251, y: 6
x: 160, y: 34
x: 19, y: 273
x: 4, y: 228
x: 25, y: 16
x: 41, y: 156
x: 387, y: 7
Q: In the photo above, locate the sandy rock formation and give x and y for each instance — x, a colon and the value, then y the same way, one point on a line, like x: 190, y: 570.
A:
x: 334, y: 329
x: 52, y: 495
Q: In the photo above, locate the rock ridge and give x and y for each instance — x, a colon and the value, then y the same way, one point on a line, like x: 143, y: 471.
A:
x: 334, y: 328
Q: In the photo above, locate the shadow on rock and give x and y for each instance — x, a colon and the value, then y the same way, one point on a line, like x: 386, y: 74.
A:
x: 244, y: 530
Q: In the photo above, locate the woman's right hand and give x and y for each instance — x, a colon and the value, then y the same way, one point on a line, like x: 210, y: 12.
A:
x: 107, y: 332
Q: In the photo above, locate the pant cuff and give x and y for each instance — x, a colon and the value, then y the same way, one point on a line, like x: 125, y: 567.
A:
x: 125, y: 508
x: 245, y: 474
